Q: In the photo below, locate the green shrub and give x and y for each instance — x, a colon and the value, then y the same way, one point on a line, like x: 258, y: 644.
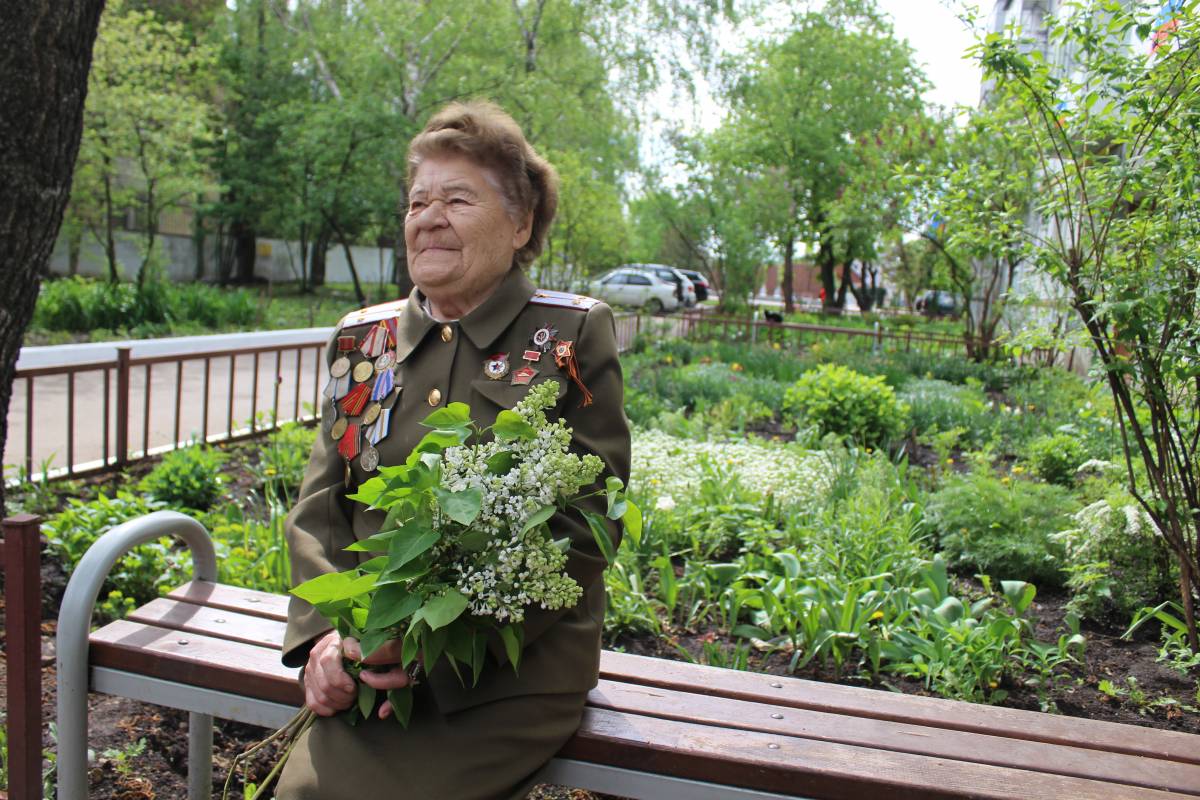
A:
x: 139, y: 575
x: 939, y: 406
x: 1002, y: 528
x: 189, y: 478
x: 846, y: 403
x: 1116, y: 560
x: 285, y: 457
x: 1055, y: 458
x: 82, y: 305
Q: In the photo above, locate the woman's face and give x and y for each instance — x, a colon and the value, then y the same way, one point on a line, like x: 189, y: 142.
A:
x: 460, y: 237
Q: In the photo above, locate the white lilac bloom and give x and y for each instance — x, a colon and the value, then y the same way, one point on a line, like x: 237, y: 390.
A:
x: 667, y: 466
x: 515, y: 569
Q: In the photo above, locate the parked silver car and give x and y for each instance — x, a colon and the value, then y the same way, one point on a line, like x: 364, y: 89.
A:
x: 685, y: 291
x: 634, y: 287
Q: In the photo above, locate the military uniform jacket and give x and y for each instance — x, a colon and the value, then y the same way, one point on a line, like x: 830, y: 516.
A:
x: 439, y: 363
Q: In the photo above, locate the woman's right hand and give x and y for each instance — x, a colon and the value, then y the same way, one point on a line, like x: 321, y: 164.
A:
x: 328, y: 688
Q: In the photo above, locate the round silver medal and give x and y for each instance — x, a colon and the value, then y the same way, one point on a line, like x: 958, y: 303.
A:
x: 339, y: 367
x: 369, y: 459
x: 385, y: 362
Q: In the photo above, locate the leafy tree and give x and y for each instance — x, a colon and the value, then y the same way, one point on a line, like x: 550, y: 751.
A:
x: 802, y: 101
x: 1115, y: 134
x: 588, y: 234
x: 147, y: 110
x: 45, y: 53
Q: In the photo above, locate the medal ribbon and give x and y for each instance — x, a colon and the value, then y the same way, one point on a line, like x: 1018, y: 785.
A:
x: 337, y: 387
x: 354, y: 402
x: 379, y: 428
x: 564, y: 357
x: 348, y: 446
x: 383, y: 384
x: 375, y: 341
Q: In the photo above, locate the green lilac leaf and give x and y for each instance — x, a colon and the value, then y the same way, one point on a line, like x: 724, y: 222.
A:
x: 510, y: 425
x: 537, y: 518
x: 391, y: 605
x: 463, y: 506
x: 443, y: 609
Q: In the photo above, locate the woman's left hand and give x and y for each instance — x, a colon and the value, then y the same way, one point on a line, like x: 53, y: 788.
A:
x: 388, y: 655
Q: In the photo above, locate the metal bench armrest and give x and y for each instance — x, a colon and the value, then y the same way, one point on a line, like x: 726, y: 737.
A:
x: 75, y: 621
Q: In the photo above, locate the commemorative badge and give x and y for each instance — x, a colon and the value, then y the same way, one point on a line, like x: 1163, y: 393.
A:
x: 523, y: 376
x: 385, y: 361
x: 338, y: 429
x: 532, y: 356
x: 496, y: 367
x: 371, y: 413
x: 363, y: 370
x: 339, y: 367
x: 543, y: 338
x: 346, y: 344
x: 370, y: 459
x: 564, y: 359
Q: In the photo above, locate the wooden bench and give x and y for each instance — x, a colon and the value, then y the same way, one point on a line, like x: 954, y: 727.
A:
x: 652, y: 729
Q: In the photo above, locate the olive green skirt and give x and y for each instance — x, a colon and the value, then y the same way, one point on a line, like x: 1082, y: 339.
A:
x: 488, y: 752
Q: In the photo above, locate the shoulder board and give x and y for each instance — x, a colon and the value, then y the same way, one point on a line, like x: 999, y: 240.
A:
x: 371, y: 314
x: 548, y: 297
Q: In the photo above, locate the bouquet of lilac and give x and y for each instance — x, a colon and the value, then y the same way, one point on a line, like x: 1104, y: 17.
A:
x: 464, y: 550
x: 465, y: 547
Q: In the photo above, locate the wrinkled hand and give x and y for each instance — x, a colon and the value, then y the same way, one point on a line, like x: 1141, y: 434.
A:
x: 328, y: 688
x: 395, y: 677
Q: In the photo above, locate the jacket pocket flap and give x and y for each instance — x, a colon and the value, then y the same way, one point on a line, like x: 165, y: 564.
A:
x: 503, y: 394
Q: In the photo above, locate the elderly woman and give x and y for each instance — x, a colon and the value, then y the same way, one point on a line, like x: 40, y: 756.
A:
x: 476, y: 331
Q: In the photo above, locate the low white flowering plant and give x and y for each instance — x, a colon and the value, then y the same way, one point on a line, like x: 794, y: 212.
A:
x: 466, y: 545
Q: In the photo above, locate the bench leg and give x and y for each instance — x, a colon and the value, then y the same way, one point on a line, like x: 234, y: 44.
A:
x: 200, y: 748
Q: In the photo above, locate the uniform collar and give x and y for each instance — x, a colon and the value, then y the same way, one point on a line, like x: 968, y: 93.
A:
x: 492, y: 317
x: 482, y: 326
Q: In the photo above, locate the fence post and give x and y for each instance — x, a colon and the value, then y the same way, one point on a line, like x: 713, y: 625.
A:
x: 23, y: 632
x: 122, y: 406
x: 878, y: 338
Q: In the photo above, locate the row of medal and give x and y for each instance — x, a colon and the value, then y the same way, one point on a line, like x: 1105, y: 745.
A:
x: 367, y: 390
x: 542, y: 341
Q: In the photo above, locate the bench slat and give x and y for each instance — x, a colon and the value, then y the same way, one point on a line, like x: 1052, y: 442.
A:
x: 806, y: 767
x: 900, y: 737
x: 219, y: 623
x: 875, y: 704
x: 231, y: 598
x: 203, y: 661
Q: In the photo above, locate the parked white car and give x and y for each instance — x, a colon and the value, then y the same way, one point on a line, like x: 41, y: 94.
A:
x: 636, y: 288
x: 685, y: 291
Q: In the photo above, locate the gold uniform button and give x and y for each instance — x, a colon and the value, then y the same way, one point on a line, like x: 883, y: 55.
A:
x: 447, y: 333
x: 435, y: 397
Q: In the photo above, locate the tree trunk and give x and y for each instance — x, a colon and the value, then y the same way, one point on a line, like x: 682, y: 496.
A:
x: 316, y: 275
x: 198, y: 240
x: 244, y: 242
x: 345, y: 242
x: 825, y: 260
x: 110, y: 241
x: 74, y: 246
x: 45, y: 54
x: 787, y: 280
